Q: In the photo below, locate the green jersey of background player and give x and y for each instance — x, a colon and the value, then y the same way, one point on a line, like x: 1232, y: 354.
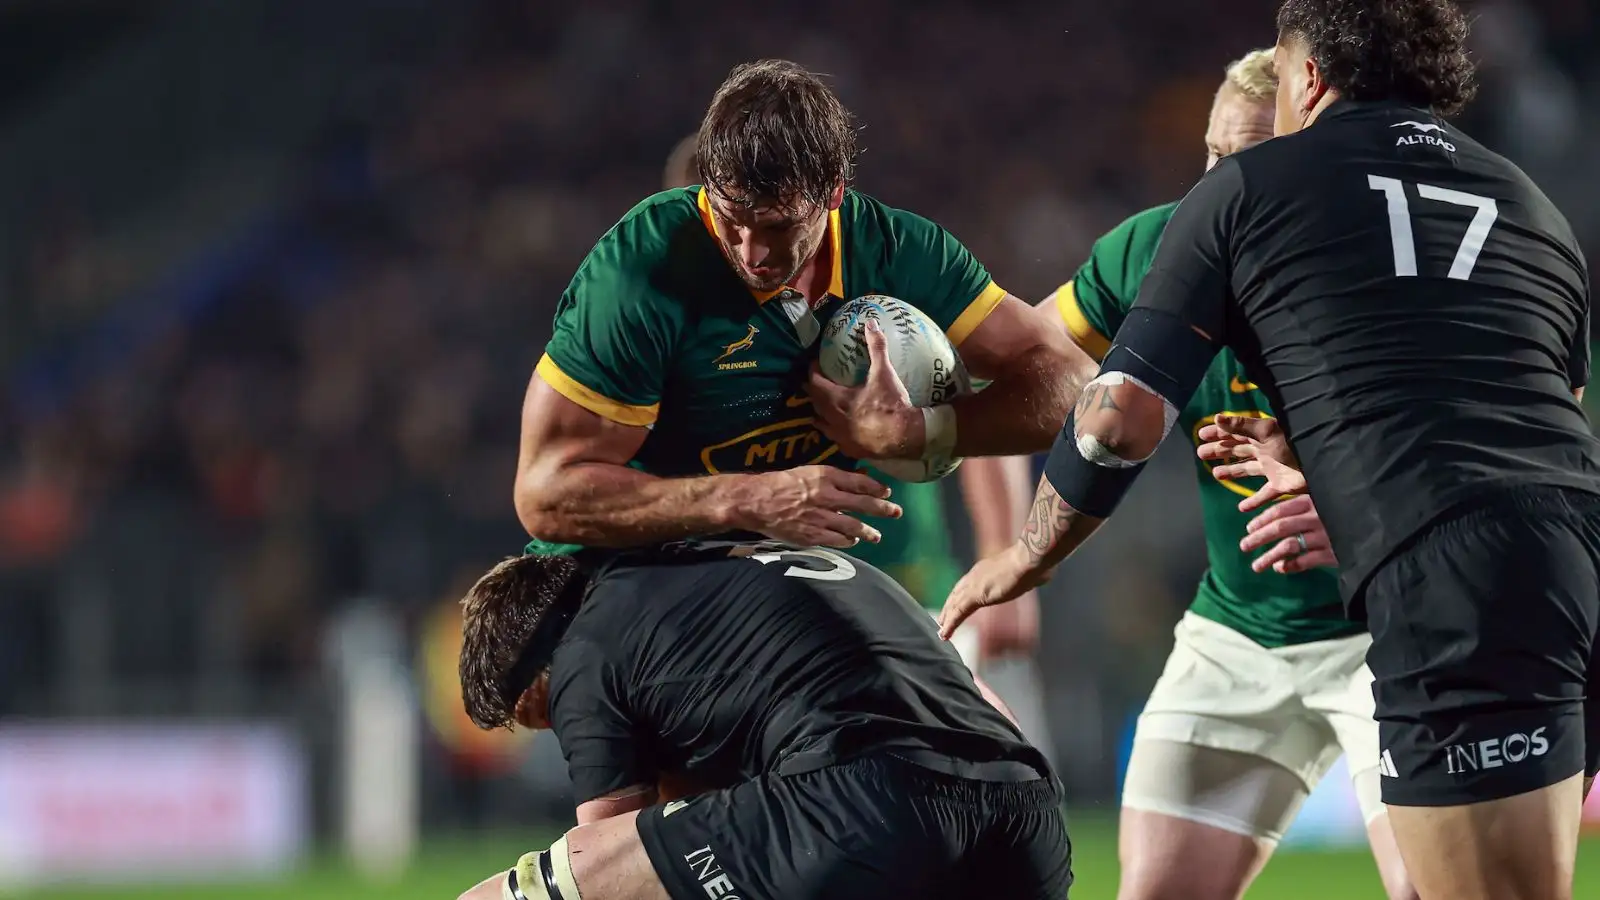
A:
x: 1267, y: 683
x: 672, y: 399
x: 1271, y: 609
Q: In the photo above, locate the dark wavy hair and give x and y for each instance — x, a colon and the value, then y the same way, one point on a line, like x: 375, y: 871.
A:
x: 1413, y: 51
x: 518, y: 602
x: 775, y: 133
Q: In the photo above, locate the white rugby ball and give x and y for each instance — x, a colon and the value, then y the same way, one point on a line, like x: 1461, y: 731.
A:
x: 921, y: 355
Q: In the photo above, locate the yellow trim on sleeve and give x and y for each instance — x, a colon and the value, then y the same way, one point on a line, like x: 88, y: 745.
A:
x: 702, y: 201
x: 1083, y: 332
x: 979, y: 309
x: 594, y: 401
x: 836, y: 254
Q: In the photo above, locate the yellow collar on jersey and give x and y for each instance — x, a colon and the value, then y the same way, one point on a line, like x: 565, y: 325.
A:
x: 834, y: 243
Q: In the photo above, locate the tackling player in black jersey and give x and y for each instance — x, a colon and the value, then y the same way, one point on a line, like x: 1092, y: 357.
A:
x: 1417, y: 312
x: 854, y: 752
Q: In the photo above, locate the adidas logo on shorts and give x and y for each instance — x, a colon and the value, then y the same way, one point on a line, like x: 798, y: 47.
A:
x: 1386, y: 766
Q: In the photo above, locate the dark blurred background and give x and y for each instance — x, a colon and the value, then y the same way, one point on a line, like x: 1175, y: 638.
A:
x: 273, y: 277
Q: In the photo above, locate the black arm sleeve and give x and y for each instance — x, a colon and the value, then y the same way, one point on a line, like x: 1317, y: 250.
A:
x: 590, y: 718
x: 1169, y: 337
x: 1164, y: 355
x: 1191, y: 277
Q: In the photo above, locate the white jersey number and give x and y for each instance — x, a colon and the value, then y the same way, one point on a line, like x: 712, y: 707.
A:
x: 1405, y: 247
x: 839, y: 568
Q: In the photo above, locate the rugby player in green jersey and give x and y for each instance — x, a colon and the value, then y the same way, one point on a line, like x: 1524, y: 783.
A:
x: 915, y: 550
x: 674, y: 398
x: 1267, y: 683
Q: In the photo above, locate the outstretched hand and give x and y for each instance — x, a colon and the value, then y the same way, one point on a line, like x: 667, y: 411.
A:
x: 997, y: 579
x: 1246, y: 447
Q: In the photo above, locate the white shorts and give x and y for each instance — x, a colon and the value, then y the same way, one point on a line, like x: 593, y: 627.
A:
x: 1299, y: 707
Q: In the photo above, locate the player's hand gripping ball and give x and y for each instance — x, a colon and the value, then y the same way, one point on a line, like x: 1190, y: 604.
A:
x: 920, y: 355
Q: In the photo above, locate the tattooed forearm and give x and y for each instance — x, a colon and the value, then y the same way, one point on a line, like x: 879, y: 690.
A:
x: 1048, y: 522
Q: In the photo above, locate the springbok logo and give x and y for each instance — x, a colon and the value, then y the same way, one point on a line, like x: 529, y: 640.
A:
x: 744, y: 343
x: 1424, y: 127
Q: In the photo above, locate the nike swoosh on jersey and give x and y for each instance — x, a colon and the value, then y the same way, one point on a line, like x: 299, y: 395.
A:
x: 1240, y: 387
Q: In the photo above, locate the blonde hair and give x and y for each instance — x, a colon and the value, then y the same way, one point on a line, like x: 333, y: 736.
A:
x: 1253, y: 75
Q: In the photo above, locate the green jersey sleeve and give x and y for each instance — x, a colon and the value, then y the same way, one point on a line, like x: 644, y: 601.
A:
x: 936, y: 273
x: 615, y: 334
x: 1105, y: 287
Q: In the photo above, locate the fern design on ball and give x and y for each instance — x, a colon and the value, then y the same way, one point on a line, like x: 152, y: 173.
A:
x: 921, y: 355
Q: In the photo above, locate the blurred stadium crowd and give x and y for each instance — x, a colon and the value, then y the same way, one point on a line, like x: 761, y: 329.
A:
x: 208, y: 456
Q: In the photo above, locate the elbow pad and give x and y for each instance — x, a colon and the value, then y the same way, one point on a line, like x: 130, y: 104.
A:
x: 1086, y: 474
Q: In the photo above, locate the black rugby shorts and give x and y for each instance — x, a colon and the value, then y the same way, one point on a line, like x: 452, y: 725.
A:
x: 1483, y: 650
x: 870, y: 828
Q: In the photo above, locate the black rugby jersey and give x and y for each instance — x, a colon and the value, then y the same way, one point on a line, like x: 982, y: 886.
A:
x: 1414, y: 307
x: 731, y: 661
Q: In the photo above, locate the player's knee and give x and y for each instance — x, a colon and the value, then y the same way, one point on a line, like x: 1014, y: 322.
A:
x: 1170, y: 884
x: 1171, y: 855
x: 1188, y: 875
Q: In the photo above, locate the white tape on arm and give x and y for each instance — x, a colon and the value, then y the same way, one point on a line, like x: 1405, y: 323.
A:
x: 530, y: 884
x: 1090, y: 446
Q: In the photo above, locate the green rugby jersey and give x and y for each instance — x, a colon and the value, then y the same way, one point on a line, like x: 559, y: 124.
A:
x: 915, y: 549
x: 1271, y: 609
x: 657, y: 330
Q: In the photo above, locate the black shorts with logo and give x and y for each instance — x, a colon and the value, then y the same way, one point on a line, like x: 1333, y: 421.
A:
x: 872, y: 827
x: 1484, y: 650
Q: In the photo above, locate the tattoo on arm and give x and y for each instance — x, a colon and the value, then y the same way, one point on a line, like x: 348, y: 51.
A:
x: 1096, y: 396
x: 1048, y: 522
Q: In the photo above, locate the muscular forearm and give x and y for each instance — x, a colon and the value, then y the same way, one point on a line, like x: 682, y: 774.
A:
x: 1022, y: 411
x: 1054, y: 529
x: 607, y: 505
x: 1125, y: 423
